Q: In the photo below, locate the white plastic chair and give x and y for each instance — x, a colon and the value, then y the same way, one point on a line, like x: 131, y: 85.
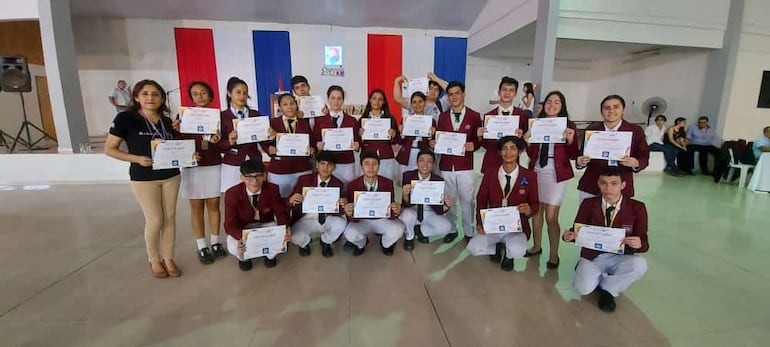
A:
x: 736, y: 165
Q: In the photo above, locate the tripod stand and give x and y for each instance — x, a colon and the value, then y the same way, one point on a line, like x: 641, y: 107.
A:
x: 25, y: 128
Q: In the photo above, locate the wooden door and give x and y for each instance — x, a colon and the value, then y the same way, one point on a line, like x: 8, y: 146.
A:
x: 44, y: 101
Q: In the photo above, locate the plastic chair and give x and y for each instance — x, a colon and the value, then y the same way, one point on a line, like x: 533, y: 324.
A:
x: 734, y: 164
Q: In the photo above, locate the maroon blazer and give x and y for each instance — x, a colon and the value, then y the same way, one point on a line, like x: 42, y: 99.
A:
x: 287, y: 165
x: 524, y: 191
x: 243, y: 150
x: 384, y: 149
x: 325, y: 122
x: 239, y: 213
x: 357, y: 185
x: 562, y: 154
x: 407, y: 178
x: 471, y: 122
x: 311, y: 180
x: 639, y: 150
x: 492, y: 160
x: 632, y: 213
x: 210, y: 156
x: 406, y: 146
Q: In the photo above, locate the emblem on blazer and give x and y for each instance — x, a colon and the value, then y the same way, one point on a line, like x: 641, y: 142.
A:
x: 467, y: 127
x: 524, y: 181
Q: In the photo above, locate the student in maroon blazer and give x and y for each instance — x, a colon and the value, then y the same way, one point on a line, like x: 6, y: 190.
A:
x: 457, y: 171
x: 346, y: 169
x: 377, y: 107
x: 284, y: 170
x: 411, y: 145
x: 242, y: 212
x: 507, y: 93
x: 329, y: 225
x: 608, y: 273
x: 553, y: 166
x: 511, y: 185
x: 613, y: 107
x: 358, y: 230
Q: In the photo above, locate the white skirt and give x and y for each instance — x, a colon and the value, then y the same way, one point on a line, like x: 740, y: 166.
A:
x: 549, y: 191
x: 201, y: 182
x: 231, y: 175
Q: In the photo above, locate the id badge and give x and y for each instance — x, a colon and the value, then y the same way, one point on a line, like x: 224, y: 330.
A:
x: 612, y: 162
x: 505, y: 203
x: 234, y: 151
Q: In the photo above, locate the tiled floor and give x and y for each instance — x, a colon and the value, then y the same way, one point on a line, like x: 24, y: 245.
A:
x: 73, y: 272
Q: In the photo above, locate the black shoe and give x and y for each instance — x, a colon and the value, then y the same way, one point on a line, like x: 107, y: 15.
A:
x: 358, y: 251
x: 326, y: 250
x: 551, y: 265
x: 528, y: 254
x: 450, y: 237
x: 409, y: 245
x: 244, y: 265
x: 671, y: 172
x: 349, y: 245
x: 271, y: 262
x: 468, y: 239
x: 507, y: 264
x: 389, y: 250
x: 499, y: 251
x: 304, y: 251
x: 218, y: 250
x: 606, y: 300
x: 420, y: 237
x: 204, y: 256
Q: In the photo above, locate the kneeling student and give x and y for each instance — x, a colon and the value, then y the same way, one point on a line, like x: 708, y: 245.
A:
x: 329, y: 225
x: 608, y: 273
x: 253, y: 203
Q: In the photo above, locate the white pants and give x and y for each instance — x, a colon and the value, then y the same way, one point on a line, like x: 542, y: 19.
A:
x: 485, y: 244
x: 582, y: 196
x: 285, y: 182
x: 460, y: 186
x: 613, y: 272
x: 390, y: 229
x: 330, y: 231
x: 232, y: 243
x: 345, y: 172
x: 432, y: 223
x: 388, y: 169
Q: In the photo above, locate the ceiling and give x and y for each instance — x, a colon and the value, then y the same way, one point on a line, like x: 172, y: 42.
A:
x: 423, y: 14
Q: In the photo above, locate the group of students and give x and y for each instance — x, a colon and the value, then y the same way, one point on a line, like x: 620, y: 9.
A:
x: 263, y: 189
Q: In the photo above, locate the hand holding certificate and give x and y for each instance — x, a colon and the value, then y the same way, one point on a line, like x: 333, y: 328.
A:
x: 337, y: 139
x: 427, y: 193
x: 611, y: 240
x: 253, y: 129
x: 417, y: 126
x: 376, y: 128
x: 199, y: 120
x: 499, y: 126
x: 320, y: 200
x: 501, y: 220
x: 417, y: 85
x: 450, y: 143
x: 371, y: 205
x: 292, y: 145
x: 547, y: 130
x: 312, y: 106
x: 260, y: 242
x: 172, y: 154
x: 607, y: 145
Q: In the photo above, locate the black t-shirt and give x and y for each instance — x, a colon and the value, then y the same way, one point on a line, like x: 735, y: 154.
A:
x: 138, y: 132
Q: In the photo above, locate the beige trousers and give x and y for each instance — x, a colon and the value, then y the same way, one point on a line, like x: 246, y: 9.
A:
x: 158, y: 202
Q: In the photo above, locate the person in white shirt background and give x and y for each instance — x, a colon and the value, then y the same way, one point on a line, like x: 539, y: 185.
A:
x: 121, y: 96
x: 654, y: 134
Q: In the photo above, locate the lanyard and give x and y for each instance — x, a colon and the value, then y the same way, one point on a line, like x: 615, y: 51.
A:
x: 162, y: 133
x: 505, y: 196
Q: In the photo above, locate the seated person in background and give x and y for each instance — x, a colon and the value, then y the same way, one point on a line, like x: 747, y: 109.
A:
x: 675, y: 142
x: 654, y: 134
x: 608, y: 273
x: 762, y: 144
x: 701, y: 139
x: 253, y: 203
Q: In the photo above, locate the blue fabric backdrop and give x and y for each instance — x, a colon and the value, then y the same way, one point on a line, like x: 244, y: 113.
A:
x: 272, y: 64
x: 449, y: 58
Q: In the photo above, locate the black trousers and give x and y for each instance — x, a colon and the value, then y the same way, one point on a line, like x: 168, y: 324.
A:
x: 686, y: 160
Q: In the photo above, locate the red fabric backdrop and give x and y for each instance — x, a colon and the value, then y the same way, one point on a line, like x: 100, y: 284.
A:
x: 384, y: 58
x: 195, y: 61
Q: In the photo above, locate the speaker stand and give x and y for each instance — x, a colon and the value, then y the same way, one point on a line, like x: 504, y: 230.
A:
x: 25, y: 128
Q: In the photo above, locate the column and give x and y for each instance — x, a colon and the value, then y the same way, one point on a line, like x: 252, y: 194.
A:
x: 545, y: 46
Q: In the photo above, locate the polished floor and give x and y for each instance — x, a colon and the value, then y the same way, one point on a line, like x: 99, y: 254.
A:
x: 73, y: 272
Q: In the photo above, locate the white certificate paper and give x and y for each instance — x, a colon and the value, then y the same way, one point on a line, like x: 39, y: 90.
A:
x: 320, y: 200
x: 253, y: 129
x: 450, y: 143
x: 292, y: 145
x: 172, y: 154
x: 499, y: 126
x: 417, y: 125
x: 199, y: 120
x: 611, y: 240
x: 547, y: 130
x: 417, y: 85
x: 371, y: 205
x: 376, y: 128
x: 607, y: 145
x: 260, y: 242
x: 337, y: 139
x: 312, y: 106
x: 427, y: 193
x: 501, y: 220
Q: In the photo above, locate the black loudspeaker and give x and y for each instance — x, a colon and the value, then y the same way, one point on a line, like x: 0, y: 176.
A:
x: 14, y: 75
x: 764, y: 91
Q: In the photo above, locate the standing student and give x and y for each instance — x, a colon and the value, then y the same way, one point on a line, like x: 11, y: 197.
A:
x: 284, y: 170
x: 507, y: 93
x: 612, y: 108
x: 336, y: 118
x: 611, y: 274
x: 301, y: 87
x: 510, y: 185
x: 551, y: 163
x: 435, y: 104
x: 156, y: 191
x: 411, y: 145
x: 423, y: 220
x: 377, y: 108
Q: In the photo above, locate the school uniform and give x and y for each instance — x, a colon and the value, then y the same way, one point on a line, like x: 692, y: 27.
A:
x: 357, y: 230
x: 492, y: 159
x: 345, y: 169
x: 202, y: 181
x: 458, y: 171
x: 433, y: 222
x: 491, y: 195
x: 410, y: 147
x: 240, y: 212
x: 235, y: 155
x: 612, y: 272
x: 304, y: 224
x: 553, y: 176
x: 284, y: 171
x: 383, y: 148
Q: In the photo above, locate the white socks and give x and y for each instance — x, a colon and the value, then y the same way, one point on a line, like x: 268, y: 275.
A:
x: 214, y: 239
x: 201, y: 243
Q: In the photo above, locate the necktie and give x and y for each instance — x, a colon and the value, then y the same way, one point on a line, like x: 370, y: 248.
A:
x: 291, y: 125
x: 507, y: 189
x: 336, y: 123
x: 608, y: 215
x: 420, y: 212
x: 240, y: 114
x: 506, y: 113
x: 543, y: 159
x: 371, y: 188
x: 322, y: 216
x: 457, y: 116
x: 254, y: 200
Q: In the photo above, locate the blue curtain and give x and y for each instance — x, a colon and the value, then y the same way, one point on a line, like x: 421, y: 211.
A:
x: 449, y: 58
x: 272, y: 64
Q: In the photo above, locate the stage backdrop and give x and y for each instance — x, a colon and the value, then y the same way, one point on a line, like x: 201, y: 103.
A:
x: 384, y: 65
x: 272, y: 65
x: 195, y: 61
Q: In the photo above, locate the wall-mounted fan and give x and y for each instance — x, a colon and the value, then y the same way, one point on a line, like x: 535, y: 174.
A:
x: 653, y: 107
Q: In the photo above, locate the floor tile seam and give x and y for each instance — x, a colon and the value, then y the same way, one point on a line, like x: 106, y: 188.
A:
x: 438, y: 317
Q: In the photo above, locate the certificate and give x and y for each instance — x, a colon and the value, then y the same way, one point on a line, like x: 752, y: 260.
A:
x: 199, y: 120
x: 416, y: 85
x: 417, y: 125
x: 253, y: 129
x: 260, y: 242
x: 547, y: 130
x: 611, y: 240
x: 312, y: 106
x: 607, y: 145
x: 371, y: 205
x: 501, y: 220
x: 376, y: 128
x: 337, y: 139
x: 320, y: 200
x: 292, y: 145
x: 172, y: 154
x: 499, y: 126
x: 450, y: 143
x: 427, y: 193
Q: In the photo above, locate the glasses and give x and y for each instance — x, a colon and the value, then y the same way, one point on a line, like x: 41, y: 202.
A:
x: 254, y: 177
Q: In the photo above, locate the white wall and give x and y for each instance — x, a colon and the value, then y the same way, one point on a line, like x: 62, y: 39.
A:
x: 499, y: 18
x: 18, y: 10
x: 11, y: 111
